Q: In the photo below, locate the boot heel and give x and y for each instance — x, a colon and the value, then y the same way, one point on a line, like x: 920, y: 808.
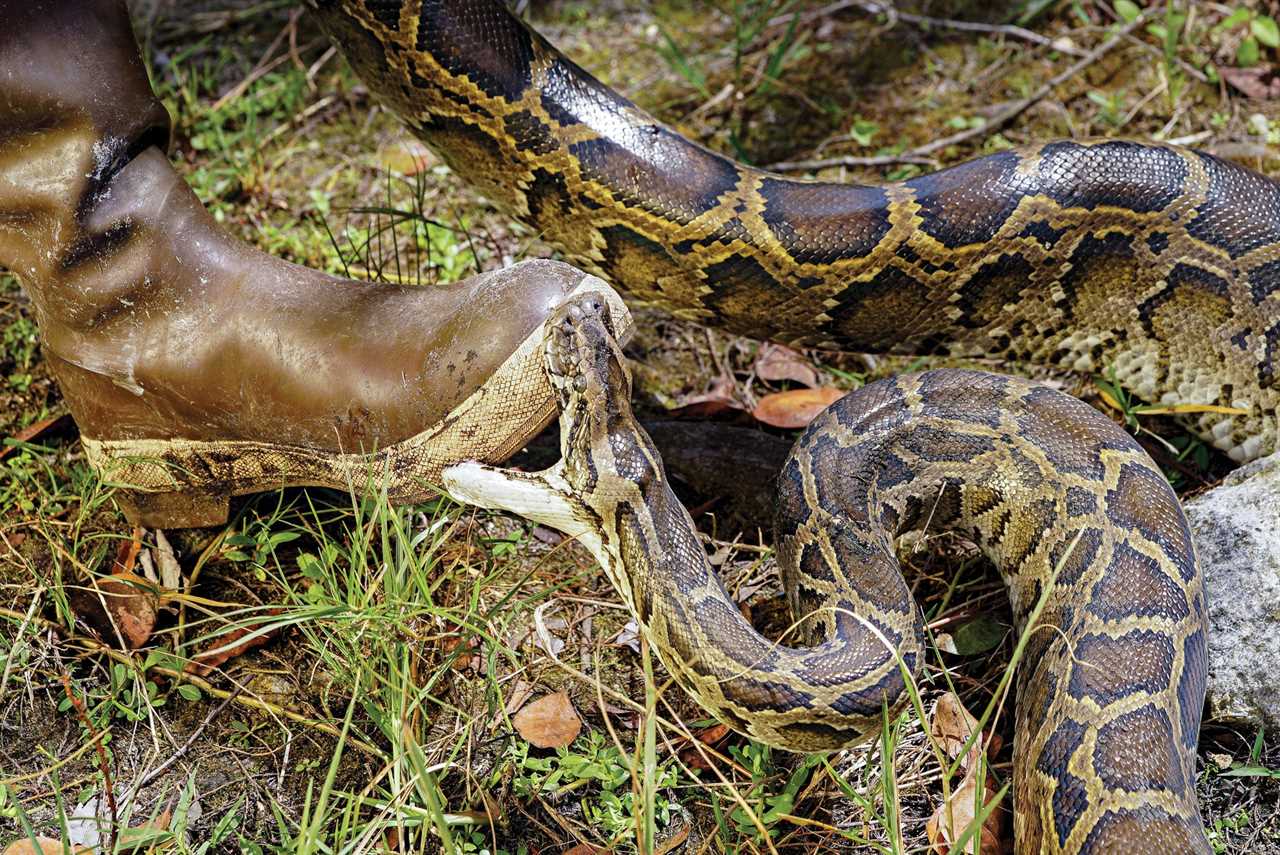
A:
x: 174, y: 510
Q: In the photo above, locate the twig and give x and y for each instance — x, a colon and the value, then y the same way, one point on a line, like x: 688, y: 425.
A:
x: 195, y: 734
x: 921, y: 154
x: 78, y: 704
x: 1017, y: 107
x: 874, y: 8
x: 968, y: 26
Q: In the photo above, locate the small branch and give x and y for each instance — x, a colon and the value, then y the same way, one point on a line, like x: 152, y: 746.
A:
x: 78, y: 704
x: 966, y: 26
x: 1017, y: 107
x: 195, y: 734
x: 874, y: 8
x: 921, y: 154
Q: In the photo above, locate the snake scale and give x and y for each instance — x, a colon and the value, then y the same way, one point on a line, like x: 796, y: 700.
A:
x: 1159, y: 263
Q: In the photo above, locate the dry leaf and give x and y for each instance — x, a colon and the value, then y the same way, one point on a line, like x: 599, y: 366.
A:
x: 42, y: 846
x: 717, y: 400
x: 775, y: 362
x: 121, y: 602
x: 796, y: 408
x: 952, y: 725
x: 549, y: 722
x: 518, y: 695
x: 167, y: 563
x: 225, y: 647
x: 462, y: 660
x: 127, y: 553
x: 677, y: 838
x: 628, y: 636
x: 692, y: 757
x: 950, y: 820
x: 1258, y: 81
x: 586, y: 849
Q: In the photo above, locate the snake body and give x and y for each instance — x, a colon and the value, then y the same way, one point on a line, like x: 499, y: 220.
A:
x: 1083, y: 526
x: 1159, y: 263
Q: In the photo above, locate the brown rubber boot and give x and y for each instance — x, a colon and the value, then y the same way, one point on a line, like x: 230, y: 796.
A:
x: 198, y: 367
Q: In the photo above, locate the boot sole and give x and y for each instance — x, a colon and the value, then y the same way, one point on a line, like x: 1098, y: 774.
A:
x: 180, y: 483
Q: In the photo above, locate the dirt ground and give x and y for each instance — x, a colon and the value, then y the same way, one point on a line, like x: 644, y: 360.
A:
x: 374, y: 659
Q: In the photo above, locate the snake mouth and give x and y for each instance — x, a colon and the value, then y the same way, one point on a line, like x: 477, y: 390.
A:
x: 582, y: 347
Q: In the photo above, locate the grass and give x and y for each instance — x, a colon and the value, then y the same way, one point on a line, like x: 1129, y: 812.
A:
x: 399, y: 641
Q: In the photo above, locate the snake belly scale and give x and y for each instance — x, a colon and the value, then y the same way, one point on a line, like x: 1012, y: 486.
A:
x: 1157, y: 262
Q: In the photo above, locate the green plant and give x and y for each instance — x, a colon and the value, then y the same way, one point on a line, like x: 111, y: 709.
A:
x: 1253, y: 768
x: 21, y: 341
x: 1111, y: 107
x: 1256, y: 31
x: 768, y: 807
x: 611, y: 804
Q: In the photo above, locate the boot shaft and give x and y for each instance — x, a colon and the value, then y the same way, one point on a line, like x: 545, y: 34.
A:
x: 75, y: 107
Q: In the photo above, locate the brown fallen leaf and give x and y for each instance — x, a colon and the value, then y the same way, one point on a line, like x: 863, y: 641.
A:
x: 676, y: 840
x: 462, y: 651
x: 127, y: 553
x: 1259, y: 81
x: 121, y: 602
x: 32, y: 431
x: 42, y: 846
x: 167, y: 563
x: 952, y: 725
x: 225, y: 647
x: 692, y: 757
x: 775, y: 362
x: 549, y: 722
x: 718, y: 400
x: 950, y: 821
x: 795, y: 408
x: 586, y: 849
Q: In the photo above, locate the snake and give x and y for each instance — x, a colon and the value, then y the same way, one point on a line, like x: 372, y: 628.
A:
x: 1086, y: 531
x: 1155, y: 263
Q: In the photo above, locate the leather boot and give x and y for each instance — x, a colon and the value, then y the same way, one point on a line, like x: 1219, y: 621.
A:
x: 197, y: 367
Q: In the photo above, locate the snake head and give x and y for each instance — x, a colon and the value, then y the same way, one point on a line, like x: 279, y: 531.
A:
x: 583, y: 357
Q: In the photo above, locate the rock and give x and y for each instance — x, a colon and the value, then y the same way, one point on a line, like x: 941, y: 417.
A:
x: 1236, y: 527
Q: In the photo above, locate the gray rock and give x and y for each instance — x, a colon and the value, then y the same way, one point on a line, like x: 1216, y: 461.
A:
x: 1236, y: 527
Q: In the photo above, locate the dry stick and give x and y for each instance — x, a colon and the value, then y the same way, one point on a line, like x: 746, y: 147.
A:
x: 195, y: 734
x: 1017, y: 107
x: 968, y: 26
x: 924, y: 20
x: 921, y: 153
x: 103, y: 765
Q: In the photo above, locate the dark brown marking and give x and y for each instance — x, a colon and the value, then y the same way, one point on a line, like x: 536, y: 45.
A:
x: 1107, y: 669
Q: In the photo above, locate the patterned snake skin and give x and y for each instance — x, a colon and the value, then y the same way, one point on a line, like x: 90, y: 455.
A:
x: 1070, y: 509
x: 1157, y: 262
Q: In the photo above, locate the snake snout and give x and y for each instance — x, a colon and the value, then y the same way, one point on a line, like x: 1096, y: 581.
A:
x: 578, y: 329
